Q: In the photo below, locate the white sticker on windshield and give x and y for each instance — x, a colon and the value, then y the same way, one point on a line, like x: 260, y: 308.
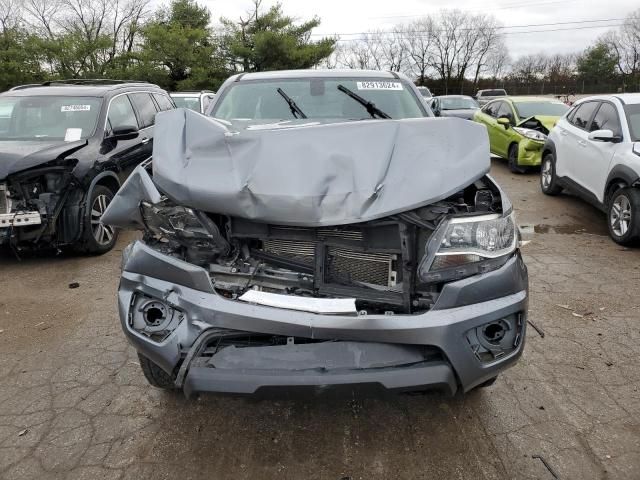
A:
x: 75, y: 108
x: 379, y: 86
x: 72, y: 134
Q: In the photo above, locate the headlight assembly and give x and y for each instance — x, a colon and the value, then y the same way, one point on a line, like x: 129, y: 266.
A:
x: 465, y: 246
x: 174, y: 224
x: 531, y: 134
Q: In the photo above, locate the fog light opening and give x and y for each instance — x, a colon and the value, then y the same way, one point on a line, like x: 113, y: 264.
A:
x: 494, y: 332
x: 153, y: 315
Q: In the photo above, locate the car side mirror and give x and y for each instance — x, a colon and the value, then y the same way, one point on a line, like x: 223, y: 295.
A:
x: 124, y: 132
x: 603, y: 136
x: 505, y: 122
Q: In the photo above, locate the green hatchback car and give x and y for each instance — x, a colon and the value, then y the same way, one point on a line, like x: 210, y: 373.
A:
x: 518, y: 128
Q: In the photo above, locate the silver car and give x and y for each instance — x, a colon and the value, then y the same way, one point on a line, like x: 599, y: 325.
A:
x: 320, y: 229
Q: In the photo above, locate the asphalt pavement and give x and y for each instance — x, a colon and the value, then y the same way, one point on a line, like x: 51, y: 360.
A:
x: 74, y: 403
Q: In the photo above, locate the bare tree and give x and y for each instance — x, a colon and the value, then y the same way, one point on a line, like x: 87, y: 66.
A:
x: 625, y: 44
x: 418, y: 40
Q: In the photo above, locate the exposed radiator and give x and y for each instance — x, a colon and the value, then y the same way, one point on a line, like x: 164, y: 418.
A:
x: 376, y: 268
x: 342, y: 265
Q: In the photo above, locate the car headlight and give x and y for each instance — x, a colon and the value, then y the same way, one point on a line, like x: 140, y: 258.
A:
x: 465, y: 246
x: 531, y: 134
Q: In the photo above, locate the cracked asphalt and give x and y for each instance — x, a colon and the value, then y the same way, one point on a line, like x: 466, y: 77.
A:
x: 74, y: 404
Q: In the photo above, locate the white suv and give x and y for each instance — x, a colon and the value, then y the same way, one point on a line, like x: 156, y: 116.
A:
x: 594, y: 151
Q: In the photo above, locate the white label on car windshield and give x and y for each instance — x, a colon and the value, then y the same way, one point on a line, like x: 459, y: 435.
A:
x: 75, y: 108
x: 72, y: 134
x: 379, y: 86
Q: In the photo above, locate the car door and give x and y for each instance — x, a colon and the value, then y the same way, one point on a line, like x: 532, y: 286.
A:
x: 122, y: 153
x: 597, y: 156
x: 146, y: 111
x: 503, y: 136
x: 576, y: 142
x: 487, y: 116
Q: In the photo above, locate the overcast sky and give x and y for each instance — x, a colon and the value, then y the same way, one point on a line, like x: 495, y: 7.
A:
x: 349, y: 16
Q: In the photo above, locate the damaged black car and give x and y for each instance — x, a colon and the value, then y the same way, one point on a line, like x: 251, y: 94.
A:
x: 319, y: 229
x: 65, y: 148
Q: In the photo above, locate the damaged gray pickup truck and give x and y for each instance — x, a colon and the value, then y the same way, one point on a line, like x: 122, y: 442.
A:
x: 319, y: 229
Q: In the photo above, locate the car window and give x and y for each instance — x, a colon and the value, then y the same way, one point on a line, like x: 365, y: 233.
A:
x: 633, y: 119
x: 458, y: 103
x: 492, y: 108
x: 318, y: 98
x: 192, y: 103
x: 505, y: 111
x: 146, y: 108
x: 493, y: 93
x: 606, y: 119
x: 163, y: 102
x: 542, y: 108
x: 583, y: 114
x: 121, y: 113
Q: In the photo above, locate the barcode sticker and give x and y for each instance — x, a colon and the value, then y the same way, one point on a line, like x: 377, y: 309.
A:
x: 75, y: 108
x: 379, y: 86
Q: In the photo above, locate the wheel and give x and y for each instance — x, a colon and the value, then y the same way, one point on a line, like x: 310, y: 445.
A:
x: 96, y: 237
x: 513, y: 159
x: 548, y: 181
x: 624, y: 216
x: 155, y: 375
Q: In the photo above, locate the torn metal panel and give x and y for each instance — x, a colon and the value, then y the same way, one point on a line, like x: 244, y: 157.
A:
x: 124, y: 209
x: 318, y: 174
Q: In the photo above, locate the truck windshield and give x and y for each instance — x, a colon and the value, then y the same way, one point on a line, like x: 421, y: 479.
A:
x: 48, y: 117
x: 318, y: 98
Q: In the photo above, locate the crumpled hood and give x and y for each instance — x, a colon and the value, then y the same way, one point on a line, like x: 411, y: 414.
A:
x: 16, y: 156
x: 317, y: 174
x: 548, y: 121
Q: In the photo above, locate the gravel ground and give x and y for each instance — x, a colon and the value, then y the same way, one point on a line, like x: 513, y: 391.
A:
x: 74, y: 404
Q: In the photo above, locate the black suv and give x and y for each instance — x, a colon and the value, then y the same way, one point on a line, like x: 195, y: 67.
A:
x: 65, y: 148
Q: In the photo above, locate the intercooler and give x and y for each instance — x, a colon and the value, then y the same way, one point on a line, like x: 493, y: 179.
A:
x: 341, y: 264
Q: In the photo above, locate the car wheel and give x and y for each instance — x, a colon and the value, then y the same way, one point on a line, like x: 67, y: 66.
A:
x: 513, y: 159
x: 155, y: 375
x: 548, y: 181
x: 97, y: 238
x: 624, y: 216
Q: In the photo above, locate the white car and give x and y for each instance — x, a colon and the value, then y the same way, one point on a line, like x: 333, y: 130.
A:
x: 594, y: 151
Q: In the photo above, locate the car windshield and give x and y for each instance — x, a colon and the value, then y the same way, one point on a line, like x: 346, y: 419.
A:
x: 317, y: 98
x: 192, y: 103
x: 48, y: 117
x: 425, y: 92
x: 458, y: 103
x: 633, y: 119
x: 545, y: 109
x: 493, y: 93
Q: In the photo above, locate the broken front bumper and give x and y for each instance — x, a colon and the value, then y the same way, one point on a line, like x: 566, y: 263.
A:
x: 434, y: 348
x: 530, y: 153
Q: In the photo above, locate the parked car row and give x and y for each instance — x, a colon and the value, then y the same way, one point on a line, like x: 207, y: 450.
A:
x: 313, y: 228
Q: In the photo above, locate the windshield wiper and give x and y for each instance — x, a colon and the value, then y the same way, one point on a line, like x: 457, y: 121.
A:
x: 370, y: 106
x: 295, y: 109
